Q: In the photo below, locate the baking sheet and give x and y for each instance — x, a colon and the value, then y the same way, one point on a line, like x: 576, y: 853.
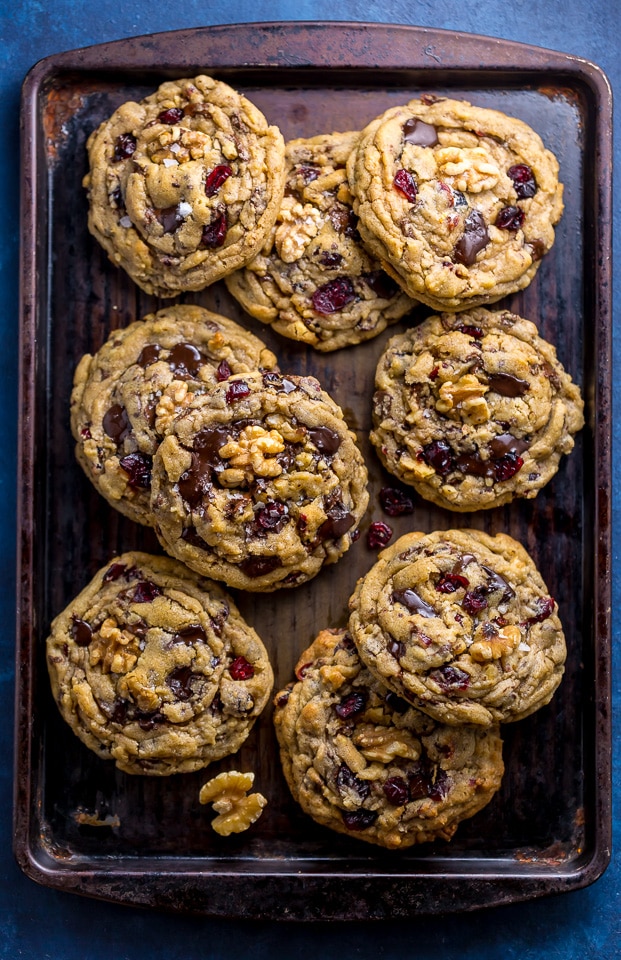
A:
x: 548, y: 829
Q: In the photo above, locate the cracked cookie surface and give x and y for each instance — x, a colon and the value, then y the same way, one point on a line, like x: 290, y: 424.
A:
x: 154, y: 667
x: 313, y: 280
x: 474, y: 409
x: 362, y: 761
x: 260, y: 483
x: 126, y: 394
x: 459, y: 202
x: 184, y: 186
x: 460, y: 624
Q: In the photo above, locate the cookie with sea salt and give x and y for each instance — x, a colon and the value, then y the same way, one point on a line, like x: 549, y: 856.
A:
x: 184, y: 186
x: 313, y: 280
x: 458, y: 202
x: 474, y: 409
x: 260, y: 483
x: 153, y: 667
x: 362, y: 761
x: 461, y: 625
x: 152, y: 367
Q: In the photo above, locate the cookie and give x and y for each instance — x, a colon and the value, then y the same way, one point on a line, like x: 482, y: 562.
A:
x: 474, y: 409
x: 260, y: 483
x: 458, y: 202
x: 360, y: 760
x: 154, y: 668
x: 184, y: 186
x: 460, y: 624
x: 152, y: 367
x: 313, y: 280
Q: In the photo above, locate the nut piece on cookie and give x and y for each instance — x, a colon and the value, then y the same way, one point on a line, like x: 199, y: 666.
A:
x: 236, y: 808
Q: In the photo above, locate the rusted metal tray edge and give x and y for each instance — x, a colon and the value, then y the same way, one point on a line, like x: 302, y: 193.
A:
x: 367, y: 895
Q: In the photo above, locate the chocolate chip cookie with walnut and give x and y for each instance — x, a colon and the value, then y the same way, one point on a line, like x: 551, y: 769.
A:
x: 260, y: 483
x: 184, y: 186
x: 313, y: 280
x: 362, y: 761
x: 458, y: 202
x: 154, y: 667
x: 474, y: 409
x: 461, y: 625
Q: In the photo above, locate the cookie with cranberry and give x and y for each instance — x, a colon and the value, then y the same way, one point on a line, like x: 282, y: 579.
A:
x: 362, y: 761
x: 184, y: 186
x: 126, y: 393
x: 153, y: 667
x: 458, y: 202
x: 260, y: 483
x: 474, y: 409
x: 461, y: 625
x: 313, y: 280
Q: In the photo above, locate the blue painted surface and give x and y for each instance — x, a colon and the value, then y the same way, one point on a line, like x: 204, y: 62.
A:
x: 39, y: 923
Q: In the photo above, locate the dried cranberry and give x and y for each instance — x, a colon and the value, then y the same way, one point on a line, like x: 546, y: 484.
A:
x: 137, y: 466
x: 303, y: 670
x: 344, y: 220
x: 124, y: 147
x: 475, y: 600
x: 237, y: 391
x: 524, y: 182
x: 214, y: 233
x: 406, y: 184
x: 379, y: 534
x: 451, y: 678
x: 438, y: 455
x: 272, y: 515
x: 395, y: 502
x: 114, y: 572
x: 440, y: 787
x: 508, y: 466
x: 81, y: 631
x: 471, y: 331
x: 146, y: 591
x: 544, y: 607
x: 396, y: 791
x: 351, y: 705
x: 419, y: 781
x: 434, y: 373
x: 308, y: 174
x: 346, y: 780
x: 450, y: 582
x: 170, y: 116
x: 216, y: 177
x: 223, y: 372
x: 333, y: 296
x: 329, y: 259
x: 510, y: 218
x: 257, y: 566
x: 359, y: 819
x: 240, y: 669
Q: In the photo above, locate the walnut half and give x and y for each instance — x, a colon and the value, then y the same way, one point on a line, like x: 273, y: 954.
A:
x: 236, y: 808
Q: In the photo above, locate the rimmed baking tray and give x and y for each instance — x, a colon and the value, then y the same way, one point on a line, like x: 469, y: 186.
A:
x: 82, y: 826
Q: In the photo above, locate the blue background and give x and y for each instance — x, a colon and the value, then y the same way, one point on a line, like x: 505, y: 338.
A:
x: 39, y: 923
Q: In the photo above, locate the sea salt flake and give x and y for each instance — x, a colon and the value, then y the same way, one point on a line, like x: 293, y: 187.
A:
x: 125, y: 221
x: 523, y: 647
x: 170, y: 162
x: 184, y: 209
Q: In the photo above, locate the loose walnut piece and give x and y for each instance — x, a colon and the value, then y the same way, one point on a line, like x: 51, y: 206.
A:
x: 236, y: 809
x: 497, y: 646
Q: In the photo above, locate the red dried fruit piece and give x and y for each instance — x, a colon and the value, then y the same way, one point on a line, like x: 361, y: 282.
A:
x: 440, y: 787
x: 439, y: 455
x: 333, y: 296
x: 114, y: 572
x: 450, y: 582
x: 451, y: 678
x: 508, y: 466
x: 240, y: 669
x: 328, y: 259
x: 137, y: 466
x: 359, y: 819
x: 545, y: 608
x: 524, y: 182
x: 124, y: 147
x: 434, y: 373
x: 223, y: 372
x: 214, y: 233
x: 216, y: 177
x: 85, y: 433
x: 379, y: 534
x: 351, y: 705
x: 510, y: 218
x: 237, y: 391
x: 471, y: 331
x: 170, y: 116
x: 303, y: 670
x: 405, y: 183
x: 346, y: 780
x: 396, y: 791
x: 272, y: 515
x: 475, y: 600
x: 395, y: 502
x: 146, y: 591
x: 308, y: 174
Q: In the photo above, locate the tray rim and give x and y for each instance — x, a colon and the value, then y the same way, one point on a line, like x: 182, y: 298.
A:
x: 496, y: 887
